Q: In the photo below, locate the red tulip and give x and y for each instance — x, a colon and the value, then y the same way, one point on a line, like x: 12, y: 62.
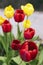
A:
x: 29, y: 33
x: 19, y: 15
x: 15, y: 45
x: 28, y: 51
x: 6, y: 26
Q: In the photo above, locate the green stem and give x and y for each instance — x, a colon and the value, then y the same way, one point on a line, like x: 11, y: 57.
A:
x: 7, y: 47
x: 18, y: 30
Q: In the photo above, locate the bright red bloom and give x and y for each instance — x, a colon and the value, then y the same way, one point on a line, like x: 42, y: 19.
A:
x: 6, y: 26
x: 19, y: 15
x: 16, y: 45
x: 28, y: 51
x: 29, y: 33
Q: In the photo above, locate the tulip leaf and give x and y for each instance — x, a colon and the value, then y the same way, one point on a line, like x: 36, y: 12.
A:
x: 13, y: 63
x: 2, y: 58
x: 34, y: 62
x: 3, y: 42
x: 23, y: 63
x: 18, y: 61
x: 35, y: 38
x: 1, y: 62
x: 4, y: 64
x: 18, y: 32
x: 40, y: 57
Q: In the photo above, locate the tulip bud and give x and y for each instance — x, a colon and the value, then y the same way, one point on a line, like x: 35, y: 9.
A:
x: 19, y: 16
x: 29, y: 33
x: 6, y: 26
x: 15, y: 45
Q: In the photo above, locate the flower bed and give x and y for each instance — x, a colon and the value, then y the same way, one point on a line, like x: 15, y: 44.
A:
x: 22, y: 49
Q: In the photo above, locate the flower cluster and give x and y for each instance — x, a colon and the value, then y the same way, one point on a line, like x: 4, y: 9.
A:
x: 27, y: 49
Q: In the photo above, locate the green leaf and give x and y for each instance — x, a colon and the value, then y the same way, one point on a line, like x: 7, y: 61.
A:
x: 4, y: 64
x: 1, y: 62
x: 13, y: 63
x: 3, y: 42
x: 18, y: 61
x: 11, y: 37
x: 23, y: 63
x: 34, y: 62
x: 18, y: 32
x: 40, y: 57
x: 35, y: 38
x: 2, y: 58
x: 38, y: 44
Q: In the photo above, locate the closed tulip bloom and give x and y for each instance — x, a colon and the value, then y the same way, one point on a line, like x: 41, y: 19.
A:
x: 19, y: 15
x: 26, y: 23
x: 28, y: 51
x: 29, y: 33
x: 28, y: 9
x: 15, y: 45
x: 6, y: 26
x: 9, y: 11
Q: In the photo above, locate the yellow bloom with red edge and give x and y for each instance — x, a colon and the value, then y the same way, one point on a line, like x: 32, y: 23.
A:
x: 9, y: 11
x: 28, y: 9
x: 2, y: 20
x: 26, y: 23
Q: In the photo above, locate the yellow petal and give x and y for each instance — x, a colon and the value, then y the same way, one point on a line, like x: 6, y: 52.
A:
x: 29, y: 5
x: 28, y: 9
x: 9, y: 11
x: 26, y: 23
x: 1, y: 20
x: 22, y: 7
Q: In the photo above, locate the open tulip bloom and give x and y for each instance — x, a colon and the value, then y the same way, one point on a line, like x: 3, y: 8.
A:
x: 22, y: 50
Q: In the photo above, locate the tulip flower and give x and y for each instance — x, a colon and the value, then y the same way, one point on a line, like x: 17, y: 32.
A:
x: 6, y: 26
x: 9, y: 11
x: 19, y: 15
x: 29, y: 33
x: 28, y: 51
x: 15, y: 45
x: 26, y: 23
x: 28, y: 9
x: 2, y: 20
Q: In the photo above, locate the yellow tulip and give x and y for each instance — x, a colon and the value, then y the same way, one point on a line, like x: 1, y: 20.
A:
x: 28, y: 9
x: 26, y: 23
x: 2, y: 20
x: 9, y: 11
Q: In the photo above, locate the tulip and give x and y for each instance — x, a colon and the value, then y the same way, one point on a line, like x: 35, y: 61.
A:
x: 2, y: 20
x: 26, y: 23
x: 6, y: 26
x: 29, y: 33
x: 28, y: 9
x: 19, y: 15
x: 28, y: 51
x: 15, y: 45
x: 9, y: 11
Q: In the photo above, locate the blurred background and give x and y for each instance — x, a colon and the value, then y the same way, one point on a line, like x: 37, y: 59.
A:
x: 38, y: 4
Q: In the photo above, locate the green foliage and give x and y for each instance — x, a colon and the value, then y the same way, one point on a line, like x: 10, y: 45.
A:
x: 34, y: 62
x: 13, y: 63
x: 12, y: 57
x: 1, y: 62
x: 40, y: 57
x: 18, y: 60
x: 35, y: 38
